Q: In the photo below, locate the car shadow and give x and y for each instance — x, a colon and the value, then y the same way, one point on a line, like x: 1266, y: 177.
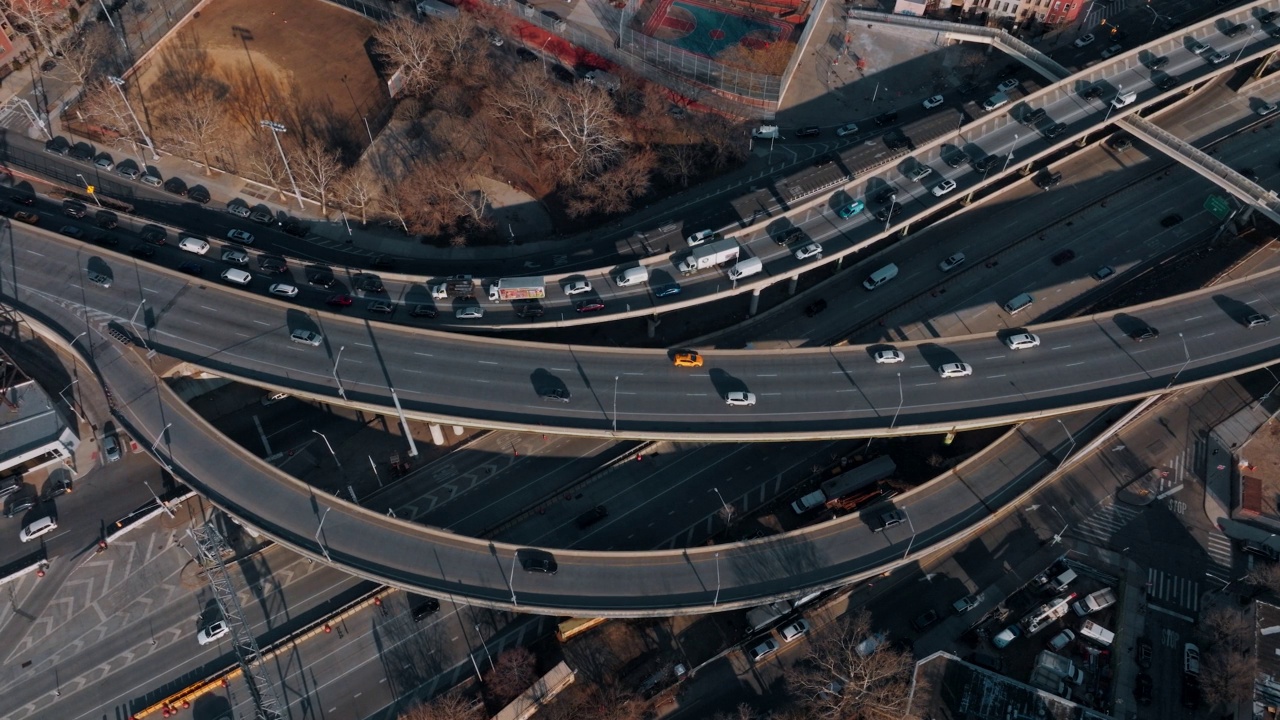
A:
x: 936, y: 355
x: 724, y: 383
x: 1237, y: 310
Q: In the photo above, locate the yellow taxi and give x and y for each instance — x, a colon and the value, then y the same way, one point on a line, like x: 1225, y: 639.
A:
x: 688, y: 359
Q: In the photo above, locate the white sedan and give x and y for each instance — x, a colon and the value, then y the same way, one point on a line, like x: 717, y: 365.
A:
x: 737, y: 397
x: 944, y: 187
x: 700, y: 237
x: 1084, y: 40
x: 212, y: 632
x: 889, y: 357
x: 808, y: 251
x: 847, y: 129
x: 1022, y: 341
x: 953, y: 370
x: 951, y: 263
x: 932, y: 102
x: 240, y: 236
x: 577, y: 286
x: 283, y: 290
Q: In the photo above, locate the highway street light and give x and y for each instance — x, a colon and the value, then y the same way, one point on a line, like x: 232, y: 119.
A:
x: 716, y: 600
x: 89, y: 188
x: 1012, y: 147
x: 615, y: 404
x: 276, y: 128
x: 895, y: 412
x: 163, y: 505
x: 1245, y: 44
x: 728, y: 511
x: 1186, y: 353
x: 1112, y: 105
x: 486, y: 646
x: 1070, y: 448
x: 326, y: 444
x: 320, y: 542
x: 160, y: 435
x: 511, y: 581
x: 119, y: 83
x: 341, y: 393
x: 913, y: 533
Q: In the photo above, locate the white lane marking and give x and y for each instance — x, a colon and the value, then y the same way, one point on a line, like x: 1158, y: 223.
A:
x: 363, y: 345
x: 33, y: 252
x: 634, y: 373
x: 486, y: 362
x: 147, y: 289
x: 994, y: 357
x: 1197, y: 317
x: 563, y: 369
x: 424, y: 354
x: 262, y: 323
x: 1075, y: 364
x: 995, y: 376
x: 768, y: 375
x: 206, y: 307
x: 1059, y: 347
x: 415, y: 372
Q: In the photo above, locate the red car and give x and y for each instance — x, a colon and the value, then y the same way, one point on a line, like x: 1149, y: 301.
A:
x: 589, y: 305
x: 339, y: 300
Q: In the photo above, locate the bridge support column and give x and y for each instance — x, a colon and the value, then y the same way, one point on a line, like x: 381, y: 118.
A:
x: 755, y: 302
x: 794, y: 283
x: 652, y: 326
x: 839, y: 263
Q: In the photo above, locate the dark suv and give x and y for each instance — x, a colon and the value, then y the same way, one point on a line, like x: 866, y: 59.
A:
x: 592, y: 516
x: 74, y: 209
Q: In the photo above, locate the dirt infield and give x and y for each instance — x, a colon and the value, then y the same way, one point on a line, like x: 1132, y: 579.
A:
x: 315, y: 50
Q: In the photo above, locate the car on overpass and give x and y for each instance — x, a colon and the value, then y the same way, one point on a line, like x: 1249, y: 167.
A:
x: 687, y: 359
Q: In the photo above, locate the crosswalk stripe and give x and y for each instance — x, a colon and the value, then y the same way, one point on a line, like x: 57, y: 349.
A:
x: 1173, y: 589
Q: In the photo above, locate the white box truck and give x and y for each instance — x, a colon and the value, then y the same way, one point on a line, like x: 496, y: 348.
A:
x: 517, y: 289
x: 710, y: 255
x: 815, y: 499
x: 1097, y: 633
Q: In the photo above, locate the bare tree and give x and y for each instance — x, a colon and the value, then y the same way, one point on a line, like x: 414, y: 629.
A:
x: 43, y: 21
x: 586, y: 699
x: 318, y: 169
x: 413, y: 49
x: 1266, y: 575
x: 846, y: 677
x: 460, y: 40
x: 681, y: 161
x: 264, y: 163
x: 518, y: 104
x: 615, y: 190
x: 1227, y: 675
x: 582, y: 133
x: 356, y: 190
x: 513, y: 673
x: 88, y: 53
x: 453, y: 705
x: 103, y: 106
x: 770, y: 59
x: 395, y: 199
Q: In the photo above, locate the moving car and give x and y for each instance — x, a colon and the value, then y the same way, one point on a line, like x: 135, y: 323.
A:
x: 847, y: 129
x: 889, y: 357
x: 381, y: 307
x: 1062, y: 257
x: 213, y: 631
x: 944, y: 187
x: 559, y: 395
x: 240, y: 236
x: 29, y: 218
x: 807, y: 251
x: 1143, y: 334
x: 540, y: 561
x: 1007, y: 85
x: 1022, y: 341
x: 810, y: 131
x: 920, y: 172
x: 423, y: 311
x: 952, y: 262
x: 700, y: 237
x: 1256, y: 320
x: 583, y: 306
x: 592, y: 516
x: 932, y: 102
x: 38, y: 528
x: 470, y: 312
x: 575, y: 287
x: 283, y: 290
x: 306, y: 337
x: 954, y: 370
x: 1083, y: 40
x: 924, y: 620
x: 889, y: 519
x: 739, y: 397
x: 853, y: 208
x: 110, y: 448
x: 339, y: 300
x: 687, y: 359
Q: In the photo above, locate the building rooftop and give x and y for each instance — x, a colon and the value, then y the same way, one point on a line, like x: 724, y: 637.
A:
x: 948, y: 687
x: 29, y: 421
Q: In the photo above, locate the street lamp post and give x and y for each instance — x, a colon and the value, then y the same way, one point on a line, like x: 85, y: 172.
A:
x: 163, y: 505
x: 486, y: 646
x: 1186, y: 354
x: 276, y: 128
x: 912, y: 541
x: 615, y: 404
x: 716, y: 601
x: 728, y: 511
x: 320, y: 542
x: 341, y: 393
x: 119, y: 83
x: 511, y: 581
x: 155, y: 444
x: 1245, y: 44
x: 1070, y: 448
x: 1012, y: 147
x: 326, y: 444
x: 895, y: 412
x: 89, y: 189
x: 1112, y: 105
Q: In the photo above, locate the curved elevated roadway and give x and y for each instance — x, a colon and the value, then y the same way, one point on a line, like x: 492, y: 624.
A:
x: 801, y: 394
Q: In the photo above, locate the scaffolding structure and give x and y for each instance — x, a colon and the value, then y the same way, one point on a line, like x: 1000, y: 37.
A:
x: 213, y: 548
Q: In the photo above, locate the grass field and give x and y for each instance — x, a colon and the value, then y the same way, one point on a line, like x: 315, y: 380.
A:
x: 314, y: 50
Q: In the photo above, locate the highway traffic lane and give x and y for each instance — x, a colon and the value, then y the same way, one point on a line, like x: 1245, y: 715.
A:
x: 814, y: 403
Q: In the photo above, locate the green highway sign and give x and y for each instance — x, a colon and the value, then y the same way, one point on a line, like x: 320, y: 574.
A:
x: 1217, y: 205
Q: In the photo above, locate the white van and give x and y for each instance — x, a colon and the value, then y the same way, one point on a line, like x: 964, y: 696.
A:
x: 881, y: 276
x: 1019, y: 303
x: 38, y: 527
x: 1124, y: 98
x: 237, y: 276
x: 193, y: 245
x: 746, y: 268
x: 632, y: 276
x: 1097, y: 633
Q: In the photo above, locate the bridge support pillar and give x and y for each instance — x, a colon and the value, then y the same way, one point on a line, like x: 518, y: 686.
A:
x: 652, y: 326
x: 755, y: 302
x: 839, y: 263
x: 793, y: 284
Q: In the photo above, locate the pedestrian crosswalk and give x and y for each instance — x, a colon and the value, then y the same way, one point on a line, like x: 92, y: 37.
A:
x: 1219, y: 548
x: 1105, y: 521
x: 1173, y: 590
